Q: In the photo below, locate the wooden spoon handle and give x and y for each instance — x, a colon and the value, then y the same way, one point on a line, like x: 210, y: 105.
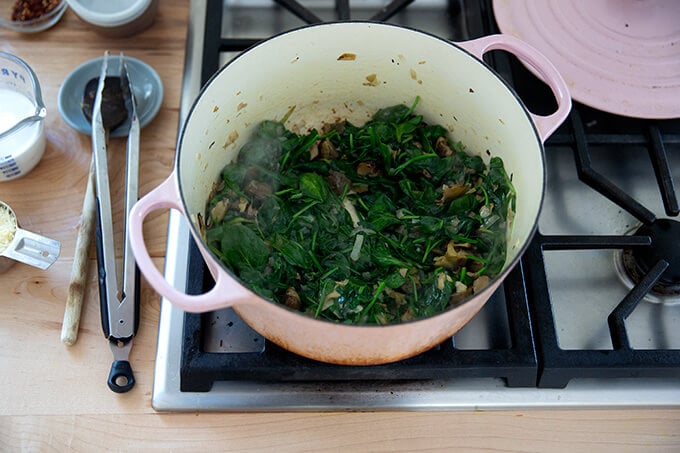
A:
x: 76, y: 288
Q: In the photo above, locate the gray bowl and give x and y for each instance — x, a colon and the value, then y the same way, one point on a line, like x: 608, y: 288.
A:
x: 146, y: 83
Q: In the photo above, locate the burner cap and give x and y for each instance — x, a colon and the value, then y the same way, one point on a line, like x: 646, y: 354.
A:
x: 665, y: 235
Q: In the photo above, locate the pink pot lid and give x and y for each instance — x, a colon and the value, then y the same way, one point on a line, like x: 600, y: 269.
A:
x: 619, y: 56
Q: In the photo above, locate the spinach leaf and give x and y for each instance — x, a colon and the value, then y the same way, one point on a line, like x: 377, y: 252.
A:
x: 291, y: 251
x: 436, y: 295
x: 238, y: 246
x: 280, y: 218
x: 394, y: 114
x: 313, y: 186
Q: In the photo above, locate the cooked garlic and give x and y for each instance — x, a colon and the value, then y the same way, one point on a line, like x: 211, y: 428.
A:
x: 8, y: 227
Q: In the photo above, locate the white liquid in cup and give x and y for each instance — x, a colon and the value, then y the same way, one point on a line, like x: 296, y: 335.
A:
x: 22, y: 150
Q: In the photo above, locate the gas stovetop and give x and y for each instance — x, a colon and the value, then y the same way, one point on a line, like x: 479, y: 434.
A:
x: 568, y: 327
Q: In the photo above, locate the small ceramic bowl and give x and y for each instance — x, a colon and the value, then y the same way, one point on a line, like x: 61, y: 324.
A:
x: 116, y: 19
x: 33, y: 25
x: 146, y: 84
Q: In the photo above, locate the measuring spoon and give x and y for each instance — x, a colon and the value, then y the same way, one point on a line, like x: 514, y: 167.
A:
x: 25, y: 246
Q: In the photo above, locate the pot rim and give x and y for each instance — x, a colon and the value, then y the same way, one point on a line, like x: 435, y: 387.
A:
x: 485, y: 293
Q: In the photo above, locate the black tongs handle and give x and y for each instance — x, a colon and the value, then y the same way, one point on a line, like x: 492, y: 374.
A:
x: 121, y: 378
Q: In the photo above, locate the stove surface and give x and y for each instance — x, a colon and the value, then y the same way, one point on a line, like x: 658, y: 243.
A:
x: 582, y: 282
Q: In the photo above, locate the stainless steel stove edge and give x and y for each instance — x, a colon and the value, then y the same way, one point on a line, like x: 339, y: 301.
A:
x: 464, y: 394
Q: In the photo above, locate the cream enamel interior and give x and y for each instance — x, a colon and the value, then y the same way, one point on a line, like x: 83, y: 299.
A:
x: 323, y: 78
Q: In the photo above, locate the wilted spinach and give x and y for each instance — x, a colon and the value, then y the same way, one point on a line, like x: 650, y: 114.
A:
x: 379, y: 223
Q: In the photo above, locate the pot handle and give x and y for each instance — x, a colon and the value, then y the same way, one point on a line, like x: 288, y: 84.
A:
x: 540, y: 65
x: 226, y: 291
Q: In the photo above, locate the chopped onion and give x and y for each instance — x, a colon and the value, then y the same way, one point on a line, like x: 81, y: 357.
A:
x: 349, y: 207
x: 486, y: 210
x: 359, y: 239
x: 356, y: 249
x: 491, y: 221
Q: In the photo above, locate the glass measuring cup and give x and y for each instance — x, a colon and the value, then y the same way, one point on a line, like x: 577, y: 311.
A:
x: 22, y: 115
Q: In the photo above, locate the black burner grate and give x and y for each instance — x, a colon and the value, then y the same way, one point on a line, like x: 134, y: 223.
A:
x: 556, y: 365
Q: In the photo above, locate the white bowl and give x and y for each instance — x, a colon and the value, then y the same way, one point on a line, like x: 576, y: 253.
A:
x: 116, y: 19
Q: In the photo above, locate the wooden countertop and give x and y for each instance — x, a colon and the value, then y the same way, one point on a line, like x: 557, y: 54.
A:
x: 54, y: 397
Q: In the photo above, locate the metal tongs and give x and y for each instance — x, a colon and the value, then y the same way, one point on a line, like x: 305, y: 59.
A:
x: 118, y: 289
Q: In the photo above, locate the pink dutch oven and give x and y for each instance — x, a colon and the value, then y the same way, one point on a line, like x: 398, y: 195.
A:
x: 348, y: 70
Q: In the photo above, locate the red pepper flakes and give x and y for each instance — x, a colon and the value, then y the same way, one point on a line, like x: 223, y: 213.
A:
x: 24, y: 10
